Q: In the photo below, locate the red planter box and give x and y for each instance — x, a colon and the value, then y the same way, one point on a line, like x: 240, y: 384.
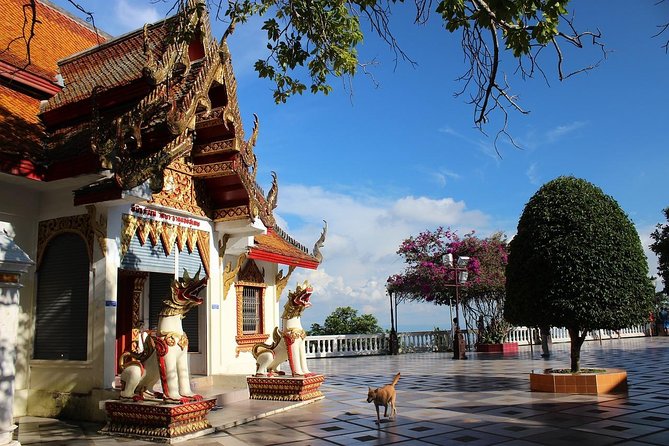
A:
x: 506, y: 347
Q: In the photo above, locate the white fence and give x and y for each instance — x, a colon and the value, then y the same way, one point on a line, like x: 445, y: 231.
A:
x: 421, y: 341
x: 522, y: 335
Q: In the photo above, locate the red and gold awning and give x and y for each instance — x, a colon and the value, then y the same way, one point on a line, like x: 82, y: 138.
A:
x: 272, y: 247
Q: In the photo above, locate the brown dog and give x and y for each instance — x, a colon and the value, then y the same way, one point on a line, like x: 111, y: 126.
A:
x: 384, y: 396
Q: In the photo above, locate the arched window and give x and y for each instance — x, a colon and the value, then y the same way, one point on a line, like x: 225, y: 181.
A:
x: 61, y: 316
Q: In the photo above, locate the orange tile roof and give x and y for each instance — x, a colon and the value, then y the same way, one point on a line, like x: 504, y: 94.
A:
x: 20, y: 133
x: 57, y: 35
x: 20, y: 105
x: 274, y: 248
x: 116, y: 63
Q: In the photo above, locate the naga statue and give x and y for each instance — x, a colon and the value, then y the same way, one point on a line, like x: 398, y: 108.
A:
x: 288, y: 344
x: 165, y: 352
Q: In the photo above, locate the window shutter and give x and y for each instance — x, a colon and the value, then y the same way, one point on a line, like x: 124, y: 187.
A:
x: 61, y: 320
x: 147, y: 257
x: 191, y: 262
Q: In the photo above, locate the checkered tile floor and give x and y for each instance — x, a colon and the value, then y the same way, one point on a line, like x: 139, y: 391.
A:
x: 484, y: 400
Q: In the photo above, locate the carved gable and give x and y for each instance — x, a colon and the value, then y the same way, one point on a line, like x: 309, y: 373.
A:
x: 251, y: 274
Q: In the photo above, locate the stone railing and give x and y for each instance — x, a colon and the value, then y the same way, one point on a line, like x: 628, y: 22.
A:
x: 375, y: 344
x: 346, y: 345
x: 522, y: 335
x: 423, y: 341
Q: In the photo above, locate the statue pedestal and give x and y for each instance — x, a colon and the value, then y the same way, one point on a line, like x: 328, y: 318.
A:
x: 285, y: 388
x: 157, y: 421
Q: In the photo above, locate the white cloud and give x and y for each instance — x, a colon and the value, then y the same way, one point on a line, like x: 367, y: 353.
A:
x: 364, y: 233
x: 533, y: 174
x: 446, y: 212
x: 444, y: 175
x: 561, y: 131
x: 132, y: 16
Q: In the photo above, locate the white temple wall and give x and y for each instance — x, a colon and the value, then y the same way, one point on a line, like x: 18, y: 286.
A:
x: 61, y: 387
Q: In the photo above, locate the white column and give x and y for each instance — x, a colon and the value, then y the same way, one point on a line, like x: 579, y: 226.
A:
x: 13, y: 263
x: 106, y: 290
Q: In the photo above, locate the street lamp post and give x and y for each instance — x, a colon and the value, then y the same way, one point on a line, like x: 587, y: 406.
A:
x: 393, y: 342
x: 460, y: 277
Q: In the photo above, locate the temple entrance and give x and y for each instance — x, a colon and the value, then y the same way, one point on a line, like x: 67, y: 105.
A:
x: 140, y: 297
x: 130, y: 291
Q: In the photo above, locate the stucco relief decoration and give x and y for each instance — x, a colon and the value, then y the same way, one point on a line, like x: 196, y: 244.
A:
x: 229, y: 214
x: 181, y: 191
x: 203, y: 247
x: 79, y: 224
x: 281, y: 281
x: 251, y: 275
x: 168, y: 235
x: 230, y: 273
x: 99, y: 226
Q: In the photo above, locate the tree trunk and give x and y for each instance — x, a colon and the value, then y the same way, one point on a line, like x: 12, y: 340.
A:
x: 576, y: 343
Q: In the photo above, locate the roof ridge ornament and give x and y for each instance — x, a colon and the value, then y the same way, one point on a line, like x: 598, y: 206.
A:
x: 320, y: 242
x: 273, y: 194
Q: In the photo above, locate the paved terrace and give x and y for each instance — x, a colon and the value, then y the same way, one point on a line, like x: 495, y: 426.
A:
x: 482, y: 401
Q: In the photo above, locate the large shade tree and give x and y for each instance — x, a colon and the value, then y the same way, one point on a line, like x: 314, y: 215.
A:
x: 427, y: 278
x: 576, y: 262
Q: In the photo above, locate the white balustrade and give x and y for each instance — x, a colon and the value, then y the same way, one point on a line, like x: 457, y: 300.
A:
x: 522, y: 335
x: 423, y: 341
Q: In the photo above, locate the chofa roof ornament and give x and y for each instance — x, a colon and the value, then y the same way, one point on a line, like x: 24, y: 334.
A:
x: 320, y: 242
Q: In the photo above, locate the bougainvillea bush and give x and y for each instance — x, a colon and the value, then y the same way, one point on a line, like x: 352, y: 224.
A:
x: 428, y: 278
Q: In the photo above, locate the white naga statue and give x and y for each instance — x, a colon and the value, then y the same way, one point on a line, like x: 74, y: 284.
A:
x: 288, y: 343
x: 165, y: 353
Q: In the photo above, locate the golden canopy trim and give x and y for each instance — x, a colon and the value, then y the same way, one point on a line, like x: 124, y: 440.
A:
x: 169, y: 235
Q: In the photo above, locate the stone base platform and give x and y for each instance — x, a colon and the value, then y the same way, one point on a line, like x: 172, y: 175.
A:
x: 285, y: 388
x: 608, y: 381
x: 157, y: 421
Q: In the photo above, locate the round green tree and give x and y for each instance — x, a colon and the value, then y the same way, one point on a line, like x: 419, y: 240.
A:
x: 576, y: 262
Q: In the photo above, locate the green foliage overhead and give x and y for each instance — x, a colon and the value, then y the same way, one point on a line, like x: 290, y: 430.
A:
x: 345, y: 320
x: 576, y: 262
x: 310, y: 42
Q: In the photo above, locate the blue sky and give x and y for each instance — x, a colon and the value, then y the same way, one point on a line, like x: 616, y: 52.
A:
x: 383, y: 162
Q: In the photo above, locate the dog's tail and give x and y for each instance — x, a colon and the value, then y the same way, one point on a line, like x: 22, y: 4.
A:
x: 397, y: 378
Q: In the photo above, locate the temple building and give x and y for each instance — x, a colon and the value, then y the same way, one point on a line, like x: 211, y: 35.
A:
x: 124, y: 163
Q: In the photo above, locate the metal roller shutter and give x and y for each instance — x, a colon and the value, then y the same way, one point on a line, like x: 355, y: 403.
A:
x: 191, y: 262
x: 147, y: 258
x: 61, y: 320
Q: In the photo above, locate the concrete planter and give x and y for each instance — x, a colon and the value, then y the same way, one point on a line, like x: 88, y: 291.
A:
x: 608, y: 381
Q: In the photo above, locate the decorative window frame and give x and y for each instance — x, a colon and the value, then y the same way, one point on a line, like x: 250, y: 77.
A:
x: 250, y: 276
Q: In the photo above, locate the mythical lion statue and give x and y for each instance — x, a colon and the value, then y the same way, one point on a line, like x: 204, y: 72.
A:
x: 165, y: 353
x: 288, y: 344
